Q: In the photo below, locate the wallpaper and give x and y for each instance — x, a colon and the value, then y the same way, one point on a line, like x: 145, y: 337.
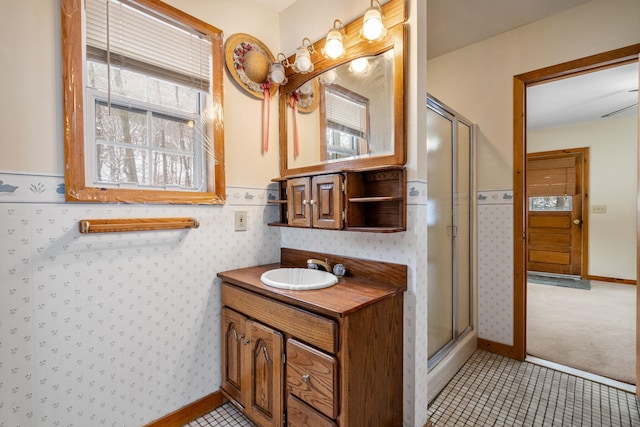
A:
x: 113, y: 329
x: 495, y: 265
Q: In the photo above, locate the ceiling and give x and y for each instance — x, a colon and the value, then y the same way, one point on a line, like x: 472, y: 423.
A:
x: 583, y: 98
x: 452, y: 25
x: 455, y: 24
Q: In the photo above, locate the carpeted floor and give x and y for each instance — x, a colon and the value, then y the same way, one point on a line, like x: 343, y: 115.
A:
x: 591, y: 330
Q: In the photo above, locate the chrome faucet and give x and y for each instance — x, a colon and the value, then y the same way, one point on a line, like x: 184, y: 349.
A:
x: 316, y: 264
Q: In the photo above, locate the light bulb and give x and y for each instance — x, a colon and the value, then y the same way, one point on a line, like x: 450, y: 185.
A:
x: 276, y: 73
x: 328, y: 77
x: 303, y: 62
x: 372, y: 26
x: 306, y: 88
x: 333, y: 47
x: 359, y: 65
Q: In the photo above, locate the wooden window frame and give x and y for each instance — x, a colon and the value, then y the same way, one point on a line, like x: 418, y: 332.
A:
x: 324, y: 121
x: 76, y: 188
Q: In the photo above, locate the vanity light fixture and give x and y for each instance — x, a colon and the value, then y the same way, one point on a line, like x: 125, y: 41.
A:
x: 333, y: 47
x: 276, y: 70
x: 303, y: 63
x: 329, y: 77
x: 359, y: 65
x: 372, y: 27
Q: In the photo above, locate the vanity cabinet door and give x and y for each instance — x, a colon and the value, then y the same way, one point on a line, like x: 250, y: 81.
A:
x: 298, y: 199
x: 264, y: 355
x: 315, y: 201
x: 252, y: 372
x: 327, y: 201
x: 233, y: 334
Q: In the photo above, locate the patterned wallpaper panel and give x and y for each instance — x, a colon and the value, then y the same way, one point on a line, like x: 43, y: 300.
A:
x: 495, y: 266
x: 114, y: 329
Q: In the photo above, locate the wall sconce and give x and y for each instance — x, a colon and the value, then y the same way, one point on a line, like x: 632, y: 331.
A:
x: 333, y: 47
x: 303, y: 63
x: 276, y: 70
x: 372, y: 27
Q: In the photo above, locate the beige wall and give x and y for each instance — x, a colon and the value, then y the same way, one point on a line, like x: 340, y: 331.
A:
x: 613, y: 167
x: 31, y: 105
x: 477, y: 81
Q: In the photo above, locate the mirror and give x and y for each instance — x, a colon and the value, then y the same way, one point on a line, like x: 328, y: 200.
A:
x: 338, y: 117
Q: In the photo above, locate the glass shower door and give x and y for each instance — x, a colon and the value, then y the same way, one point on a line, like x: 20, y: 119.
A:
x: 449, y: 220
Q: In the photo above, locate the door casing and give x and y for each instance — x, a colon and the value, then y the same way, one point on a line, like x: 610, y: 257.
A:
x: 588, y: 64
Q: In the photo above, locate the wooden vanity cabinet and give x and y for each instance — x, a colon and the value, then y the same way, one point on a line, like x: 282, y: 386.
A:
x: 340, y: 361
x: 355, y: 200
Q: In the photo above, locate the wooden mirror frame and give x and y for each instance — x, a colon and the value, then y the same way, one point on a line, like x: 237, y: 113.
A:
x: 394, y: 16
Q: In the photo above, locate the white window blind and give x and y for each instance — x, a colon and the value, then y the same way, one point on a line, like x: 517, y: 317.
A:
x: 345, y: 114
x: 135, y: 38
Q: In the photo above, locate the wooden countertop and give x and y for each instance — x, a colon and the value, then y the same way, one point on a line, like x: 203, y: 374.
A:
x: 347, y: 296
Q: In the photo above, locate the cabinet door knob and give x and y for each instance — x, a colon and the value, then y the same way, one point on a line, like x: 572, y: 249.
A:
x: 312, y: 202
x: 304, y: 202
x: 247, y: 341
x: 305, y: 378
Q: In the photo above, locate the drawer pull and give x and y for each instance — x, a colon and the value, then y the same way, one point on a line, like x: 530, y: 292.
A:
x: 305, y: 378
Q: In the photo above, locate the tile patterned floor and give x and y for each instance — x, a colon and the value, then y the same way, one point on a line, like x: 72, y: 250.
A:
x: 492, y: 390
x: 225, y: 416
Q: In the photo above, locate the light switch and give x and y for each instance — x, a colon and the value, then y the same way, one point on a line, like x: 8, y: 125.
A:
x: 240, y: 221
x: 599, y: 209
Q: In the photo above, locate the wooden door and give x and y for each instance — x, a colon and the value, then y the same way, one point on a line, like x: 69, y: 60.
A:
x: 266, y: 400
x: 556, y: 191
x: 233, y: 334
x: 327, y: 201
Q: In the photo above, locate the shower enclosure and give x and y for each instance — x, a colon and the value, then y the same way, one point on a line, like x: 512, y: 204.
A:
x: 450, y: 229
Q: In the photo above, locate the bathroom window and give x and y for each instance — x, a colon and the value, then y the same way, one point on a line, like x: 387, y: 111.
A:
x: 345, y: 120
x: 143, y: 100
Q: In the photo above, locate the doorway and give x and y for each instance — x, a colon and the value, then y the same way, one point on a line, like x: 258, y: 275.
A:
x: 521, y: 82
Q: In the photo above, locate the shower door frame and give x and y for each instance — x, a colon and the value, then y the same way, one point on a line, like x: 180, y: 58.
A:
x: 450, y: 114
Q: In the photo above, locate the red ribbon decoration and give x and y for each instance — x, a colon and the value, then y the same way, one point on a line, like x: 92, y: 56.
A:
x: 266, y: 113
x: 293, y: 102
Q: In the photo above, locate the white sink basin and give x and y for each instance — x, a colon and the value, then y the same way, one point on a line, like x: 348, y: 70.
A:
x: 298, y: 279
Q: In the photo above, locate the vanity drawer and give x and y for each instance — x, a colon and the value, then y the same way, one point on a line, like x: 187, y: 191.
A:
x: 316, y: 330
x: 312, y: 376
x: 300, y: 414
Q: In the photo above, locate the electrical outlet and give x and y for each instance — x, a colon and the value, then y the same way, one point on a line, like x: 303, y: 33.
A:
x: 599, y: 209
x: 240, y: 221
